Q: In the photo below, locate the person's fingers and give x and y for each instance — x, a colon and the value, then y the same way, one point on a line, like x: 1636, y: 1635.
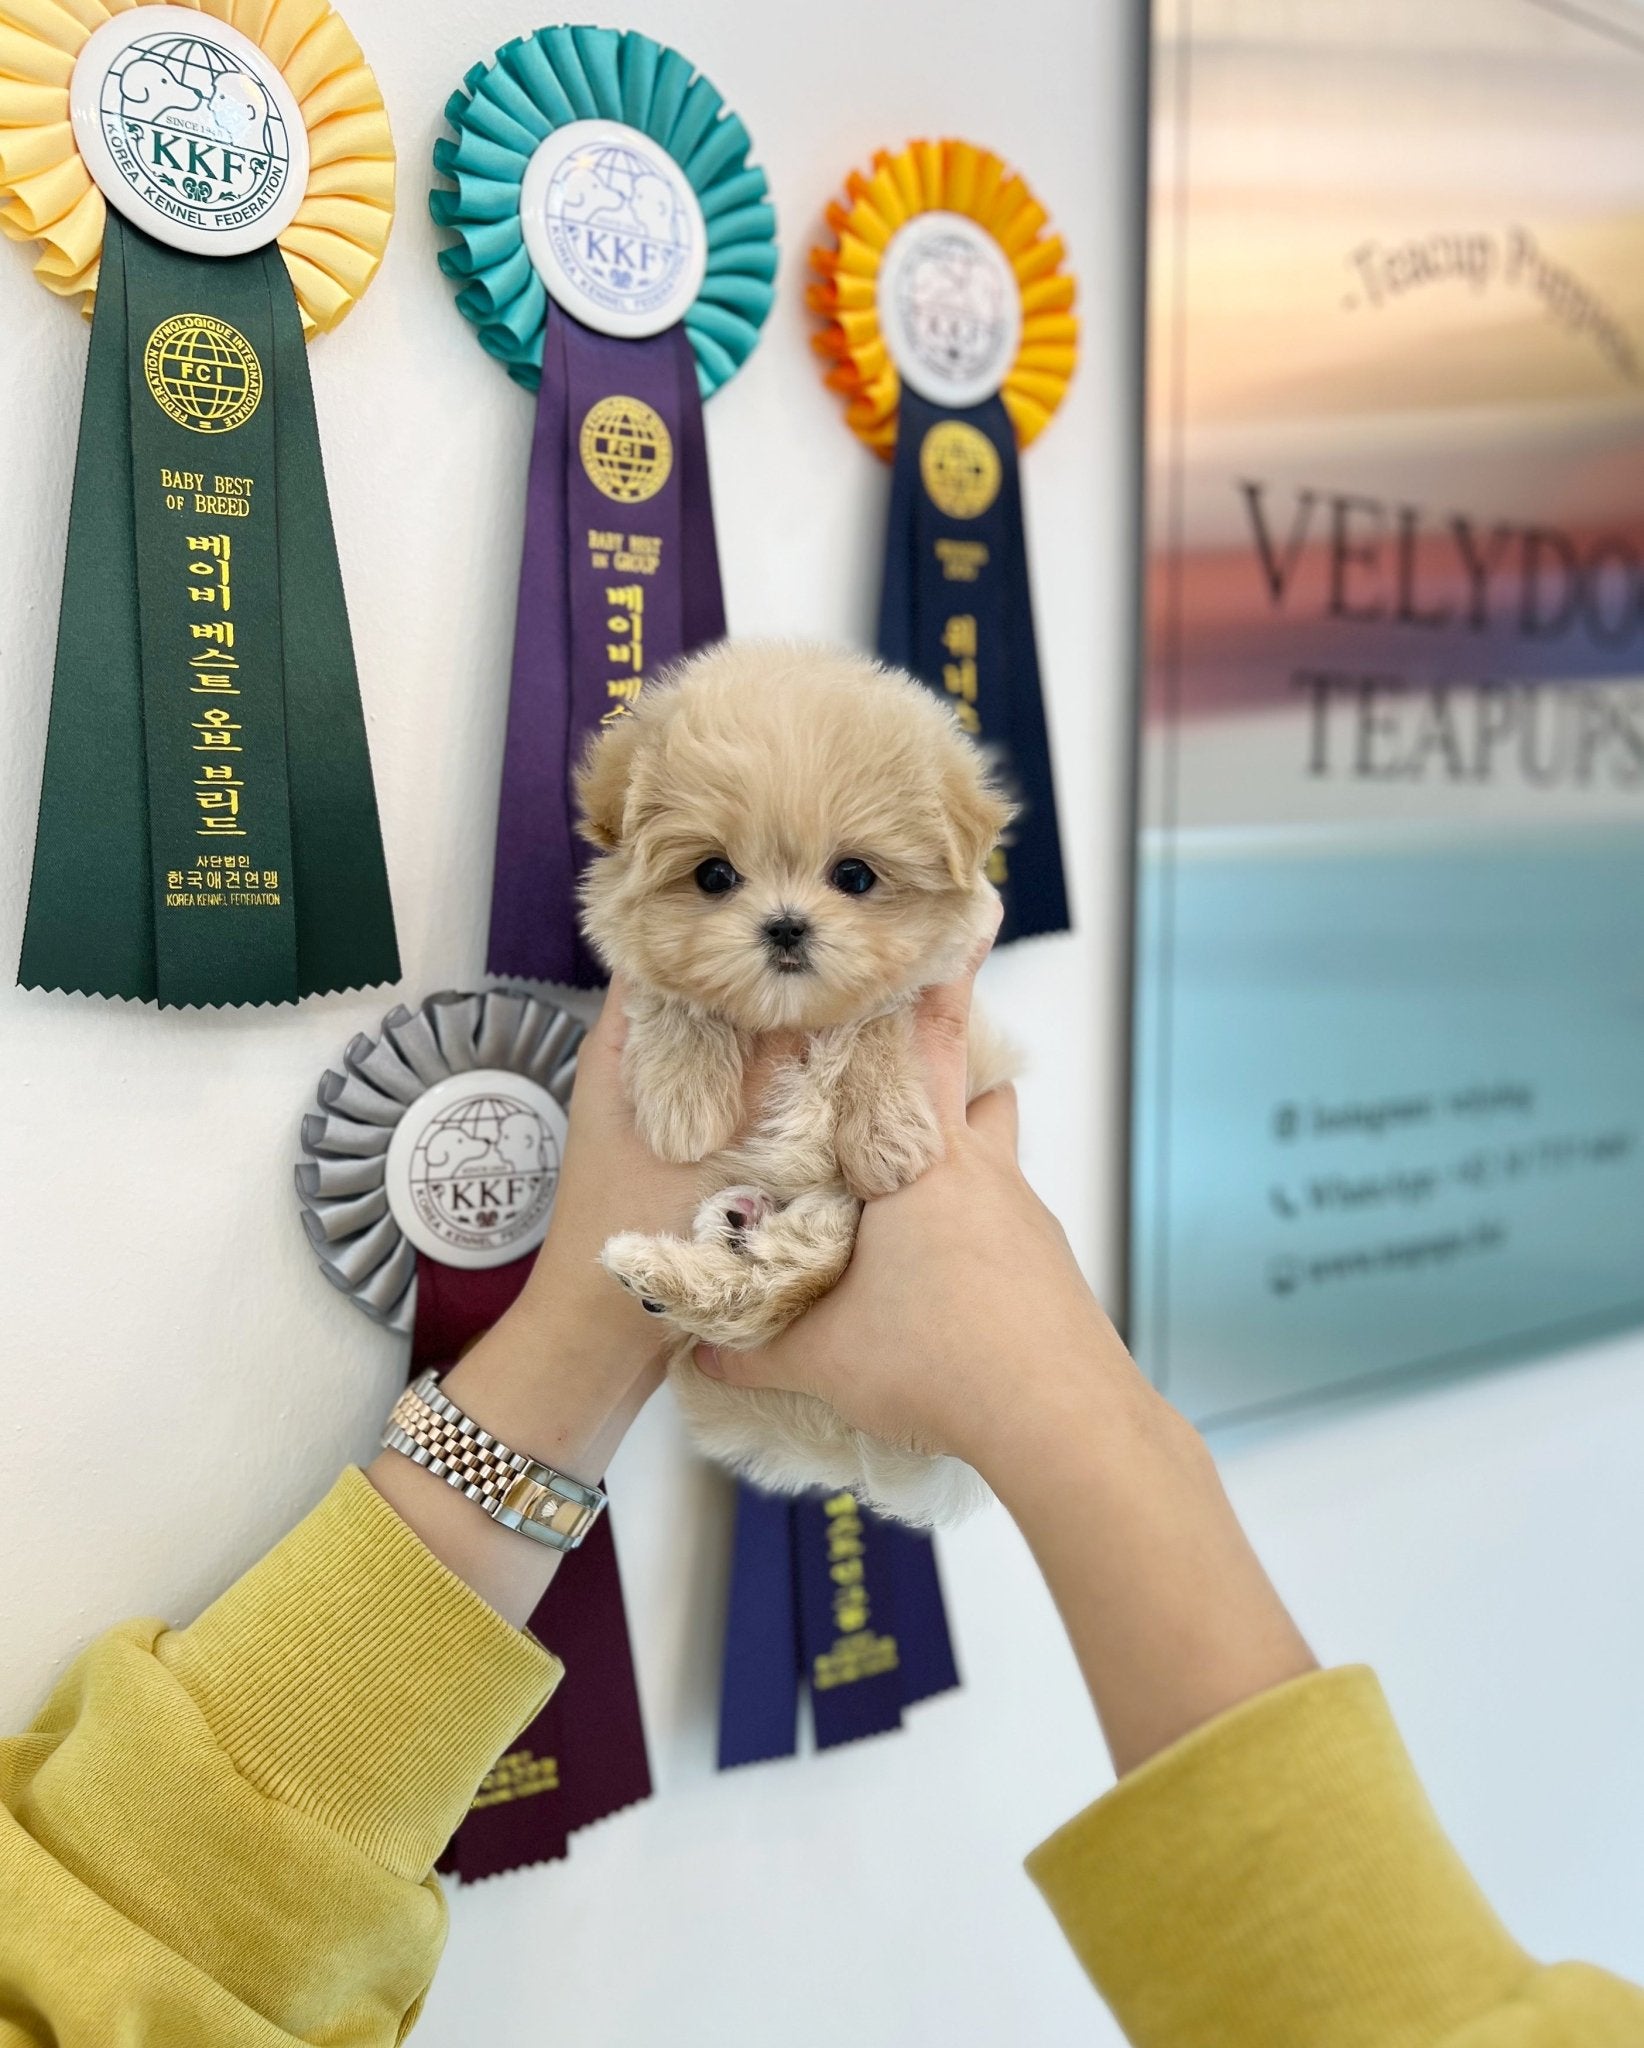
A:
x: 995, y: 1118
x: 599, y: 1104
x: 610, y: 1028
x: 941, y: 1027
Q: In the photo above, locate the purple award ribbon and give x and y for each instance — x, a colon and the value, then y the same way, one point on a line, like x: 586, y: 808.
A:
x: 829, y: 1595
x: 584, y: 1755
x: 620, y: 575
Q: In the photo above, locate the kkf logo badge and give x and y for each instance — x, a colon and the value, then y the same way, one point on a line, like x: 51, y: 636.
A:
x: 620, y: 228
x: 193, y: 132
x: 482, y: 1175
x: 614, y: 228
x: 203, y: 373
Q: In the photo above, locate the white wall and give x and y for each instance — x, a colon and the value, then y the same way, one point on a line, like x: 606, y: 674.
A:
x: 179, y: 1383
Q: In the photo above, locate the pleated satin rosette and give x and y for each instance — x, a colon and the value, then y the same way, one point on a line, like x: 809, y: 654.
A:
x: 502, y: 114
x: 214, y: 184
x: 946, y: 322
x: 335, y: 241
x: 614, y: 250
x: 427, y: 1179
x: 946, y: 177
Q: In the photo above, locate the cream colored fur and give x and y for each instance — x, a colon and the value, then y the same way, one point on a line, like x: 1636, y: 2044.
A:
x: 785, y: 760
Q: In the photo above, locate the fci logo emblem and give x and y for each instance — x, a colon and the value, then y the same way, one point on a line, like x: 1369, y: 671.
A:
x: 203, y: 373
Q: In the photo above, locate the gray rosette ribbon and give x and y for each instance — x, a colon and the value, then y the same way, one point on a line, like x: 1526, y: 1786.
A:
x: 342, y: 1178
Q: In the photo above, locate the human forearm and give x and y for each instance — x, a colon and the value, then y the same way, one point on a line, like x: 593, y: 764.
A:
x: 222, y: 1834
x: 1168, y: 1609
x: 556, y: 1379
x: 565, y: 1371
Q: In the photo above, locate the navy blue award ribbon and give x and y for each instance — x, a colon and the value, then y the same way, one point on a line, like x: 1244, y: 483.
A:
x: 956, y: 610
x: 826, y: 1596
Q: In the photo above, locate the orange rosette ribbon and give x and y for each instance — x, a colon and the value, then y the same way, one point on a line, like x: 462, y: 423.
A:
x: 950, y: 177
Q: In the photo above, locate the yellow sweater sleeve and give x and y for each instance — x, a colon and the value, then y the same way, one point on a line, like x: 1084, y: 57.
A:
x: 1278, y: 1880
x: 222, y: 1836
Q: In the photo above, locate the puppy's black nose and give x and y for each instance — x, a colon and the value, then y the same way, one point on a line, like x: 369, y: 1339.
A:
x: 787, y: 933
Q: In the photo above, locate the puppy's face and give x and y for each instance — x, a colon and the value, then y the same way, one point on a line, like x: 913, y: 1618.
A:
x: 792, y: 838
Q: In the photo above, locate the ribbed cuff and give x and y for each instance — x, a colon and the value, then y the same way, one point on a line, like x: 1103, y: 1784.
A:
x: 1275, y: 1874
x: 352, y: 1677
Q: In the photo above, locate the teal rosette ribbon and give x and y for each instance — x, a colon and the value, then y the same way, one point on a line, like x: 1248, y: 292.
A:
x: 503, y: 111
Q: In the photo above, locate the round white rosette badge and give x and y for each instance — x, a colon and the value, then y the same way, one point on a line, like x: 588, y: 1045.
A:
x: 949, y: 307
x: 190, y: 130
x: 472, y: 1167
x: 613, y: 228
x: 440, y: 1139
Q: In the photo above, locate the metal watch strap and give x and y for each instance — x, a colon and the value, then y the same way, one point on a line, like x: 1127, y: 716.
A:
x: 427, y: 1427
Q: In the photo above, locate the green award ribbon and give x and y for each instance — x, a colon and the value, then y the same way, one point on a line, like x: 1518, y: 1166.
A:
x: 208, y: 827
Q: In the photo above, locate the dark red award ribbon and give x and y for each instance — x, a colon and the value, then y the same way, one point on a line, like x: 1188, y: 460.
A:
x: 584, y: 1755
x: 620, y: 575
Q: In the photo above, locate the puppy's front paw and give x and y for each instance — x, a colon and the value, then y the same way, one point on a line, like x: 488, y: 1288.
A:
x: 684, y: 1125
x: 880, y: 1153
x: 649, y: 1267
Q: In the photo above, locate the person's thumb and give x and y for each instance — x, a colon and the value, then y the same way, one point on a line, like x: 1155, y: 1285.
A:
x: 941, y: 1029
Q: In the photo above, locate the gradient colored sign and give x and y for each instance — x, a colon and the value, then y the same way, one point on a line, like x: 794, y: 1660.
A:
x: 1389, y: 999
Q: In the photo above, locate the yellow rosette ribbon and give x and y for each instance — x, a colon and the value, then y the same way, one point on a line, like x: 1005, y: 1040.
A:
x: 948, y: 327
x: 215, y: 183
x: 955, y: 178
x: 333, y: 246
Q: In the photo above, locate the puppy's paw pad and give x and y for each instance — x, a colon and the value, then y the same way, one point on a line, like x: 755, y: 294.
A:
x: 744, y: 1209
x: 730, y: 1216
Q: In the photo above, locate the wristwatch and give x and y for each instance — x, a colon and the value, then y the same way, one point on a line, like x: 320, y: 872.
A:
x: 427, y: 1427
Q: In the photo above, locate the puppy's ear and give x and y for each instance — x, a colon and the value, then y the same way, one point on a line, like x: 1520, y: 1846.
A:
x: 974, y: 813
x: 602, y: 782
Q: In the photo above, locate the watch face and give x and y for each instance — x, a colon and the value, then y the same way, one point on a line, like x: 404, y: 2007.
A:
x: 473, y: 1167
x: 614, y: 228
x: 189, y: 130
x: 949, y: 308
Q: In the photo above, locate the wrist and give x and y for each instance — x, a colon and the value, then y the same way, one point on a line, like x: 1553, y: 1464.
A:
x: 1052, y: 1424
x: 561, y: 1379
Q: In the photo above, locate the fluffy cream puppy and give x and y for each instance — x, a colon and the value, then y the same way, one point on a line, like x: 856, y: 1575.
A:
x: 794, y: 842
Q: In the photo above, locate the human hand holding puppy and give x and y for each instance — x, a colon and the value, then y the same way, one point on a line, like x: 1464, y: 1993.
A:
x: 963, y: 1325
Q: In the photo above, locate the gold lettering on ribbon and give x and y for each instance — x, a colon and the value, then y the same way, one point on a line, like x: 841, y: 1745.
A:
x: 857, y: 1651
x: 518, y: 1775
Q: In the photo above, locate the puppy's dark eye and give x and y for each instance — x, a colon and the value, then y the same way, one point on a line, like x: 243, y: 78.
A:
x: 853, y: 877
x: 714, y: 877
